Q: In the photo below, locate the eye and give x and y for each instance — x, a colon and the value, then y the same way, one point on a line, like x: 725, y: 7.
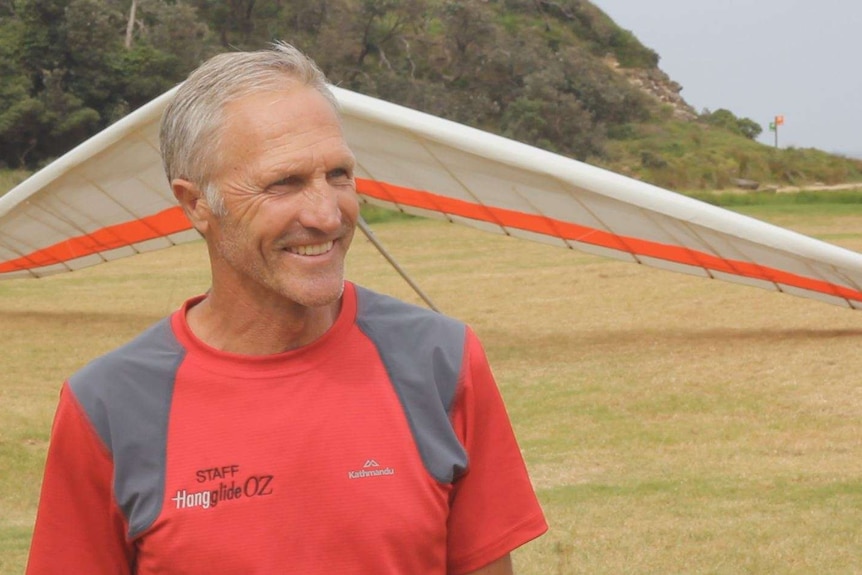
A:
x: 340, y: 175
x: 289, y: 182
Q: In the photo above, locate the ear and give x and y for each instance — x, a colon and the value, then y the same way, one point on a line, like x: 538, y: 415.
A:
x: 194, y: 204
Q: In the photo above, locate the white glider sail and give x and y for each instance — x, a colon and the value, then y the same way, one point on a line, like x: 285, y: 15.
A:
x: 108, y: 198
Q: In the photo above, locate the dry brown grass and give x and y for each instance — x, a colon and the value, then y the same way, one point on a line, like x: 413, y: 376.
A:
x: 671, y: 424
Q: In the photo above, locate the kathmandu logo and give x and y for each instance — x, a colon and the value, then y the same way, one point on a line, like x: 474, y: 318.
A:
x: 370, y: 469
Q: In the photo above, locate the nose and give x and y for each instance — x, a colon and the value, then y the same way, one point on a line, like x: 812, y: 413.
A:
x: 321, y: 209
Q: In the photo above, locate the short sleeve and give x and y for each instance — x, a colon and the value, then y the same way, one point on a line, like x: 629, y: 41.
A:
x: 78, y: 526
x: 494, y: 508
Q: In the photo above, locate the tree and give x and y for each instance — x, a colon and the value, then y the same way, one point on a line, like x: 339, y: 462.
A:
x: 18, y: 110
x: 548, y: 116
x: 92, y: 31
x: 726, y: 119
x: 232, y: 20
x: 749, y: 128
x: 171, y: 41
x: 526, y: 68
x: 130, y: 24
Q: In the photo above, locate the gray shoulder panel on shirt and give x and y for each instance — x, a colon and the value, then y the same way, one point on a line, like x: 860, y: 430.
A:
x: 423, y: 353
x: 127, y: 396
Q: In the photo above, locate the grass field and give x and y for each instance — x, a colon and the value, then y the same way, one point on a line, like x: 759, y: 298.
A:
x: 671, y: 424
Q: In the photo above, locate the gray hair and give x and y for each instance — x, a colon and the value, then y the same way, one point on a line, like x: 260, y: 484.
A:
x: 190, y: 134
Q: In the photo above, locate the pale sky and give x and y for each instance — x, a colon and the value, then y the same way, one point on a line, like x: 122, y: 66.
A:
x: 760, y: 58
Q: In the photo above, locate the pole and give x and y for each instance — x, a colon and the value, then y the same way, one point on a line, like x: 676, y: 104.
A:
x: 370, y: 235
x: 777, y: 121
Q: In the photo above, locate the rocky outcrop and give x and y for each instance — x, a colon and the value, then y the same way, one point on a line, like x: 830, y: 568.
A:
x: 657, y: 84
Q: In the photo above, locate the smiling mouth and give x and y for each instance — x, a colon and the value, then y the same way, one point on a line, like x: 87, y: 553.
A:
x: 311, y: 250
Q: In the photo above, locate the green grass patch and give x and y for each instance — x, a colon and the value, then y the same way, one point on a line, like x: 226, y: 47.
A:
x: 373, y: 214
x: 837, y: 198
x: 682, y: 155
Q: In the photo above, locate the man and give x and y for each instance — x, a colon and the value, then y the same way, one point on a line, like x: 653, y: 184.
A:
x: 287, y: 421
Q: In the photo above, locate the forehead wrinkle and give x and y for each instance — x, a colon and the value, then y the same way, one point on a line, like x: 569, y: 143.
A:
x: 299, y: 139
x: 310, y: 157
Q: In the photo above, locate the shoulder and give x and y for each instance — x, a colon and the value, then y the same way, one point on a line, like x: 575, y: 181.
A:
x: 376, y: 311
x: 423, y: 353
x: 411, y: 338
x: 155, y: 349
x: 131, y: 384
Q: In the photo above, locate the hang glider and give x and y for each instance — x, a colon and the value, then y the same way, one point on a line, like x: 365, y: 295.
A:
x: 108, y: 198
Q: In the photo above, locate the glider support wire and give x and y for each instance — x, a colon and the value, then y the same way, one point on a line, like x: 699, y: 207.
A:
x: 363, y: 225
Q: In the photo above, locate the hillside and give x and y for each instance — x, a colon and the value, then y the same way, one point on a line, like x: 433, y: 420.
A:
x: 559, y: 74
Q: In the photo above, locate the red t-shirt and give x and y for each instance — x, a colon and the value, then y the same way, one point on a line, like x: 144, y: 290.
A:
x: 383, y: 447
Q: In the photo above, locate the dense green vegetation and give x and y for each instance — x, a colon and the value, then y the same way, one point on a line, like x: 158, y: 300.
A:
x: 806, y: 200
x: 687, y: 156
x: 553, y: 74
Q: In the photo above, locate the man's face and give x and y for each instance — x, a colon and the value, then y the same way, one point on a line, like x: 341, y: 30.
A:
x: 286, y: 175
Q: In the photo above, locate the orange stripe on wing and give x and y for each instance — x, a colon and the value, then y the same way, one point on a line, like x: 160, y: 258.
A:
x: 173, y: 220
x: 169, y: 221
x: 574, y: 232
x: 474, y: 211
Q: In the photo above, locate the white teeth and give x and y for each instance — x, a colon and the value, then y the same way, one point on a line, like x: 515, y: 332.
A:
x: 313, y: 250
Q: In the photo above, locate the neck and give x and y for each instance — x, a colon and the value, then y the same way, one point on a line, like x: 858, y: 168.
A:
x: 259, y: 328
